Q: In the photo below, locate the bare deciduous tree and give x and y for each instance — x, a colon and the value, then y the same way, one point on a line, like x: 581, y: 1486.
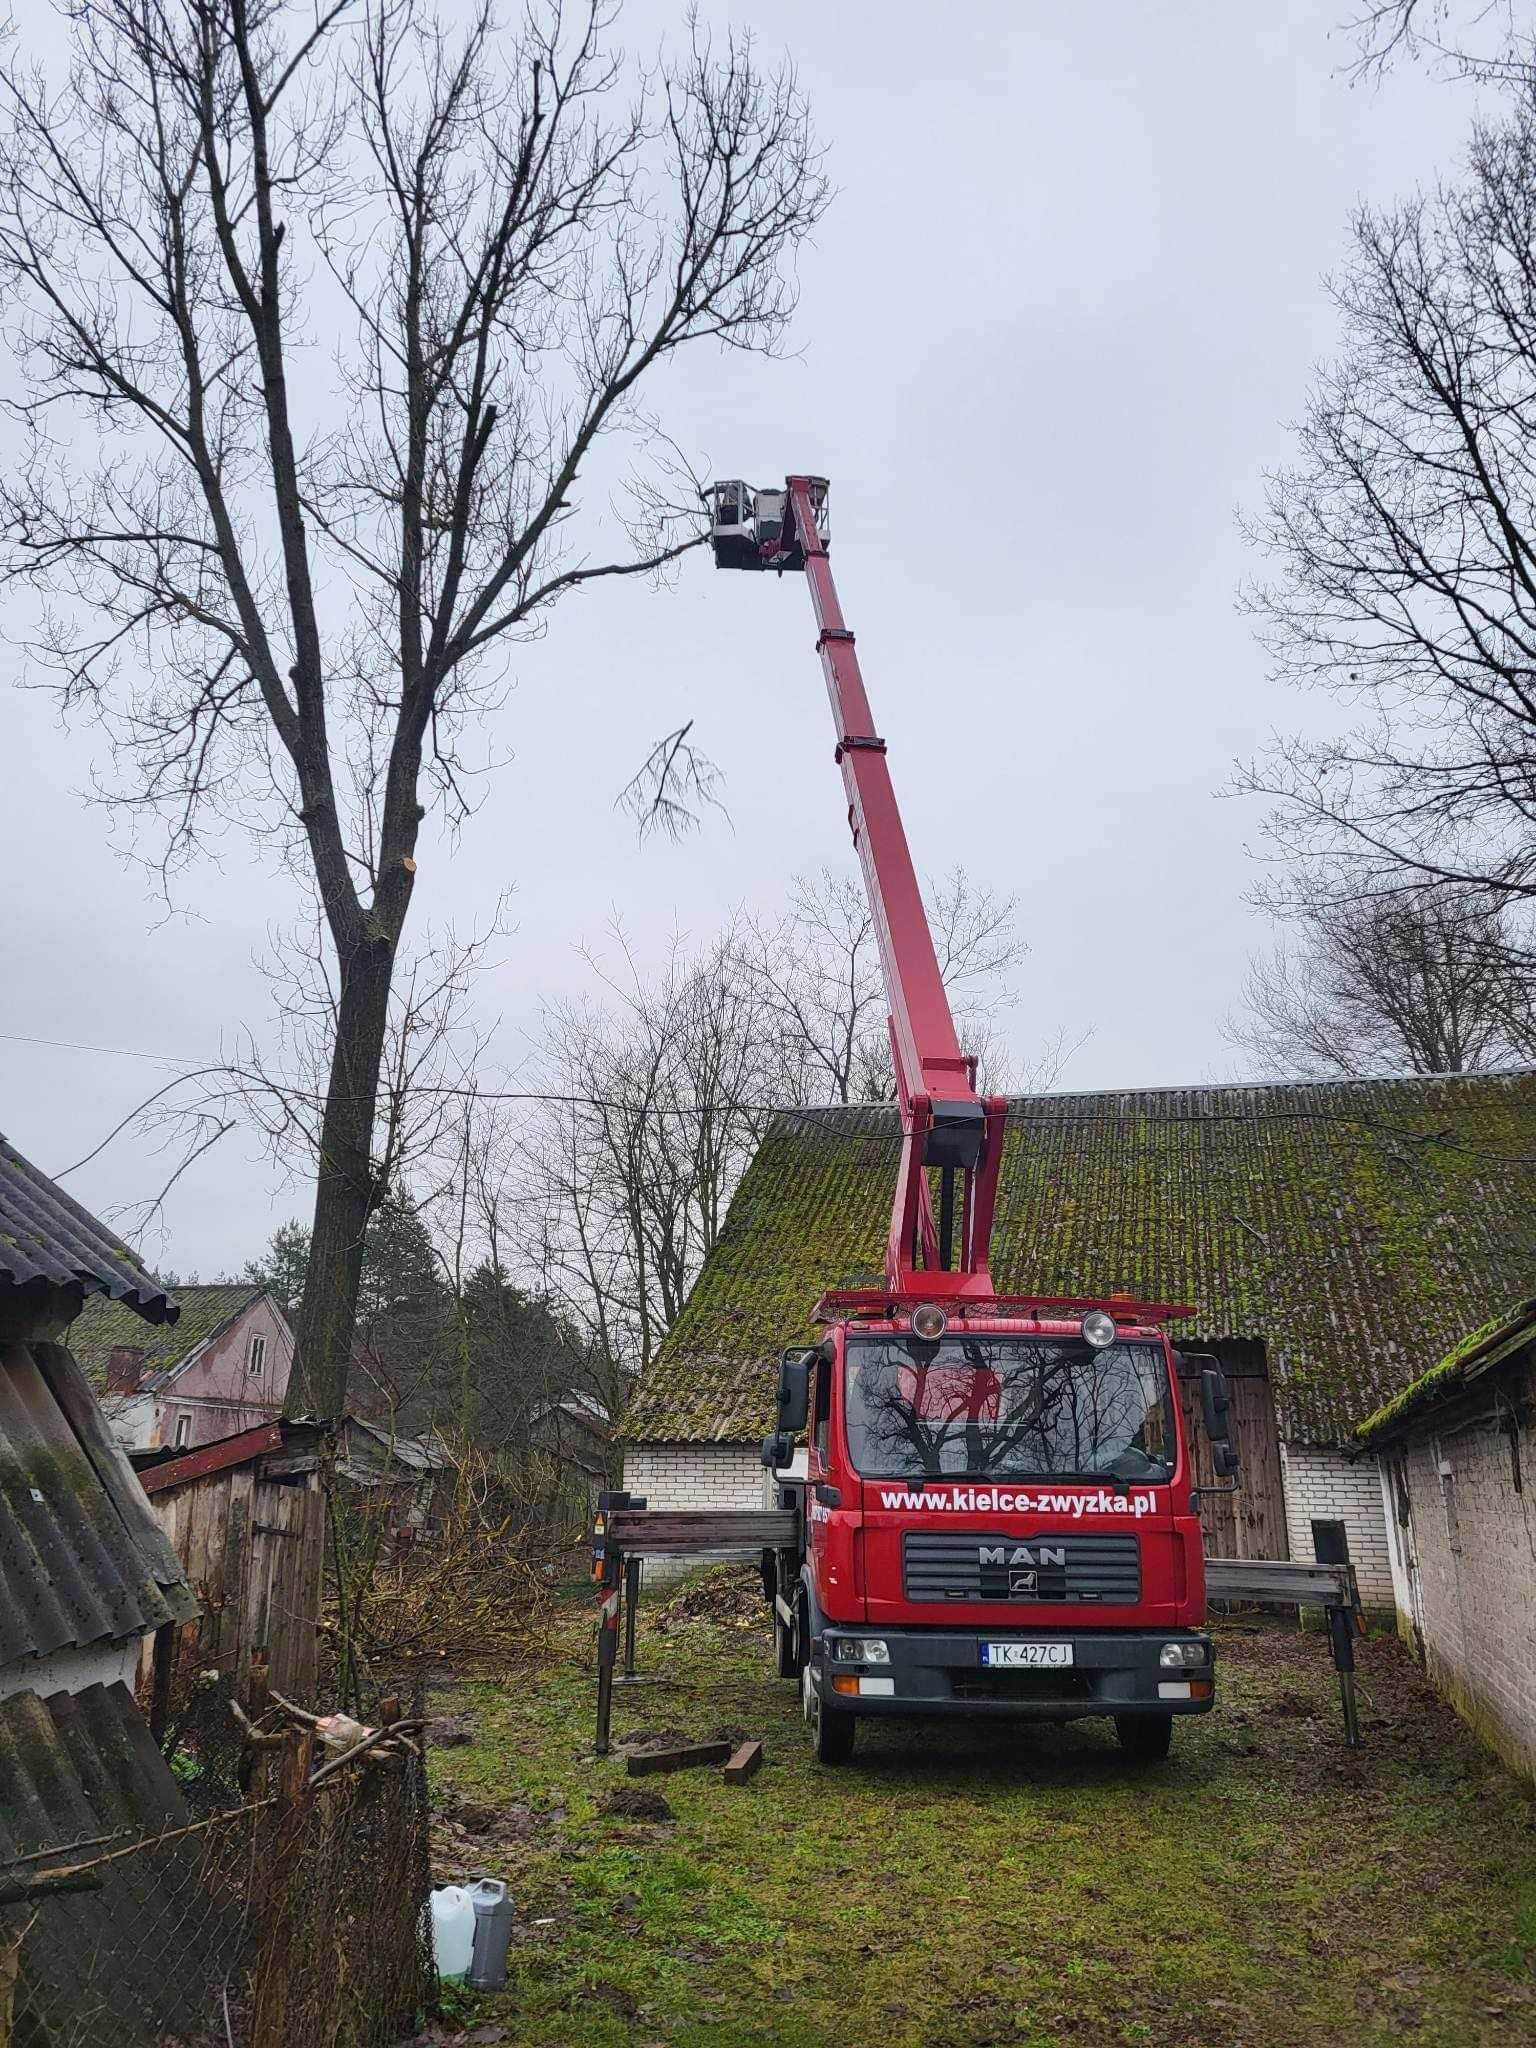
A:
x: 658, y: 1101
x: 1425, y: 980
x: 661, y: 1090
x: 1404, y: 537
x: 285, y: 587
x: 816, y: 979
x: 1483, y: 39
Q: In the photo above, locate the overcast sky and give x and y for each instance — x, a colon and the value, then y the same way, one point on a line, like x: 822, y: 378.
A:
x: 1050, y: 337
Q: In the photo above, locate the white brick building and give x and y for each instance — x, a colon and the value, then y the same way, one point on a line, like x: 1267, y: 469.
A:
x: 1324, y: 1485
x: 1455, y: 1459
x: 1335, y: 1239
x: 696, y: 1475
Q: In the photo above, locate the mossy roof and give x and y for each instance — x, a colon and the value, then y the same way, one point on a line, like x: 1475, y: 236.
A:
x: 1358, y: 1227
x: 1501, y: 1337
x: 48, y: 1240
x: 102, y: 1326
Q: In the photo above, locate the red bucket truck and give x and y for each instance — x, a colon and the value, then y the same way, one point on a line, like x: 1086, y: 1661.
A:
x: 998, y: 1513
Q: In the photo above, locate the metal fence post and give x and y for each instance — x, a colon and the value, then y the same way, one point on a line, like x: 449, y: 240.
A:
x: 631, y: 1607
x: 1330, y: 1545
x: 611, y: 1595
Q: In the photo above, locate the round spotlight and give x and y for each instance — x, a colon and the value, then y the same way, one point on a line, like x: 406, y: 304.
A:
x: 931, y: 1323
x: 1099, y: 1329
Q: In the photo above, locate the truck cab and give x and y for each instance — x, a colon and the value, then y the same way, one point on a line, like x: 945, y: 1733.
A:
x: 998, y: 1517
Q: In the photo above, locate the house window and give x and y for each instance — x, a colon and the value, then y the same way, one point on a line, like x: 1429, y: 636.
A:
x: 183, y: 1430
x: 256, y: 1354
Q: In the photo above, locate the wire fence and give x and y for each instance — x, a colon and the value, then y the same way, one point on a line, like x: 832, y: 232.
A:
x: 292, y: 1920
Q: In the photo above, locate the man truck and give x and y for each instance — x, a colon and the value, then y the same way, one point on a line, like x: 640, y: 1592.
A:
x: 998, y: 1512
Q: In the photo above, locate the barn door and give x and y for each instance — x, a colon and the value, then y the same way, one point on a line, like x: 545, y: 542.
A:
x: 1250, y: 1522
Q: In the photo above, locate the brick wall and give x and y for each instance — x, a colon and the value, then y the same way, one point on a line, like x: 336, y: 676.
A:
x: 694, y: 1476
x: 1468, y: 1570
x: 1325, y: 1485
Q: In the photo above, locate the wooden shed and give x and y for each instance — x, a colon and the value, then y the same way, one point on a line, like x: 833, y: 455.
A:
x: 246, y: 1516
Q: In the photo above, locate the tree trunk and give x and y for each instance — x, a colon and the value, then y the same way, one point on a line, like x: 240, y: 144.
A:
x: 345, y: 1192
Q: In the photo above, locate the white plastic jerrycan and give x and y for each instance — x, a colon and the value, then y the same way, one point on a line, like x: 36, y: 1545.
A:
x: 453, y: 1931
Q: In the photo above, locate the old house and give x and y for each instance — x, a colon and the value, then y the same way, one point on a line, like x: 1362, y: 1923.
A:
x: 1455, y: 1453
x: 405, y: 1476
x: 564, y: 1460
x: 86, y: 1577
x: 85, y: 1571
x: 221, y: 1369
x: 1334, y: 1238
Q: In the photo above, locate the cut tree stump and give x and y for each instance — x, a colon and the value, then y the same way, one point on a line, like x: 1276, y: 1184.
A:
x: 642, y: 1763
x: 743, y: 1764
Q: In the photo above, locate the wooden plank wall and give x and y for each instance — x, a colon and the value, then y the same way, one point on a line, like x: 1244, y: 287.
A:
x: 1250, y: 1522
x: 252, y: 1550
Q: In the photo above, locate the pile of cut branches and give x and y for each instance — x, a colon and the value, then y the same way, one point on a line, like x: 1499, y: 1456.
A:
x: 471, y: 1587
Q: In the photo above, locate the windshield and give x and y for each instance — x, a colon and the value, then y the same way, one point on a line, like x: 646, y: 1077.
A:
x: 1003, y: 1407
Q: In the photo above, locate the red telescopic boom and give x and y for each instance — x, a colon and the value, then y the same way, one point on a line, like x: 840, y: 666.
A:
x: 948, y: 1130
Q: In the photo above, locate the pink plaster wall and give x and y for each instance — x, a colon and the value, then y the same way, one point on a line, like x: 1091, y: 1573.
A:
x: 219, y: 1394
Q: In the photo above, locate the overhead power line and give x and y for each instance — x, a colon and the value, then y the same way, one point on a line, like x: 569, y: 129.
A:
x: 818, y: 1113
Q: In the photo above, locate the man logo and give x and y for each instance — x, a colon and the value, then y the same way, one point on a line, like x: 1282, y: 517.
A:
x: 1023, y: 1582
x: 1043, y: 1553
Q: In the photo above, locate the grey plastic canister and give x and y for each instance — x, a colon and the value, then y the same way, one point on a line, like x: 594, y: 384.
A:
x: 493, y: 1931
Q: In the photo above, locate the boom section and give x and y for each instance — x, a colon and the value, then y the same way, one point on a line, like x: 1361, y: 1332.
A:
x: 950, y: 1135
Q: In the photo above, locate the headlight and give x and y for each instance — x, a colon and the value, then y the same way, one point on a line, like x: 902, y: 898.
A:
x: 862, y: 1650
x: 929, y: 1324
x: 1180, y: 1656
x: 1099, y: 1329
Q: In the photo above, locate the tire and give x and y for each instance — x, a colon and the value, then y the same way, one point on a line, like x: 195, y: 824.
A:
x: 786, y: 1648
x: 832, y: 1728
x: 833, y: 1743
x: 1145, y: 1738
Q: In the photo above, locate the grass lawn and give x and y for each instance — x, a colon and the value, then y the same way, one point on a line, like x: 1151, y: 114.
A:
x: 994, y: 1882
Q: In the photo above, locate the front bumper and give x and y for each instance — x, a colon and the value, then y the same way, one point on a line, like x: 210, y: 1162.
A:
x: 939, y: 1671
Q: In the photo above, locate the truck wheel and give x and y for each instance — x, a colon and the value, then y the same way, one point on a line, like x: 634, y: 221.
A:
x: 1144, y: 1737
x: 831, y: 1727
x: 785, y: 1649
x: 832, y: 1732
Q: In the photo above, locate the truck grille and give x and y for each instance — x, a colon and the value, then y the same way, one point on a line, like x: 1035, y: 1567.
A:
x: 1020, y: 1685
x: 991, y: 1569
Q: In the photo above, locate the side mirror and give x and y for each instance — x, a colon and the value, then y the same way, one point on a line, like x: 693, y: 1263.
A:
x: 1225, y: 1460
x: 778, y: 1452
x: 1215, y: 1404
x: 794, y: 1397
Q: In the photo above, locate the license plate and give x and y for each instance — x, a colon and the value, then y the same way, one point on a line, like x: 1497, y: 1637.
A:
x: 1029, y: 1656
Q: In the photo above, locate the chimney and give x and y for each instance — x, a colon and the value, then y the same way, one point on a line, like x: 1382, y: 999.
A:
x: 124, y: 1368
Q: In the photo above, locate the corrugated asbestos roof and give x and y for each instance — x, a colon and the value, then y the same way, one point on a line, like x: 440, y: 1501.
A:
x: 82, y: 1557
x: 45, y: 1236
x: 102, y: 1326
x: 1500, y: 1339
x: 76, y: 1767
x: 1359, y: 1227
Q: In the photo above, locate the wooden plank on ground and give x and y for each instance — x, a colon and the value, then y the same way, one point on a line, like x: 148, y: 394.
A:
x: 645, y: 1762
x: 743, y: 1763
